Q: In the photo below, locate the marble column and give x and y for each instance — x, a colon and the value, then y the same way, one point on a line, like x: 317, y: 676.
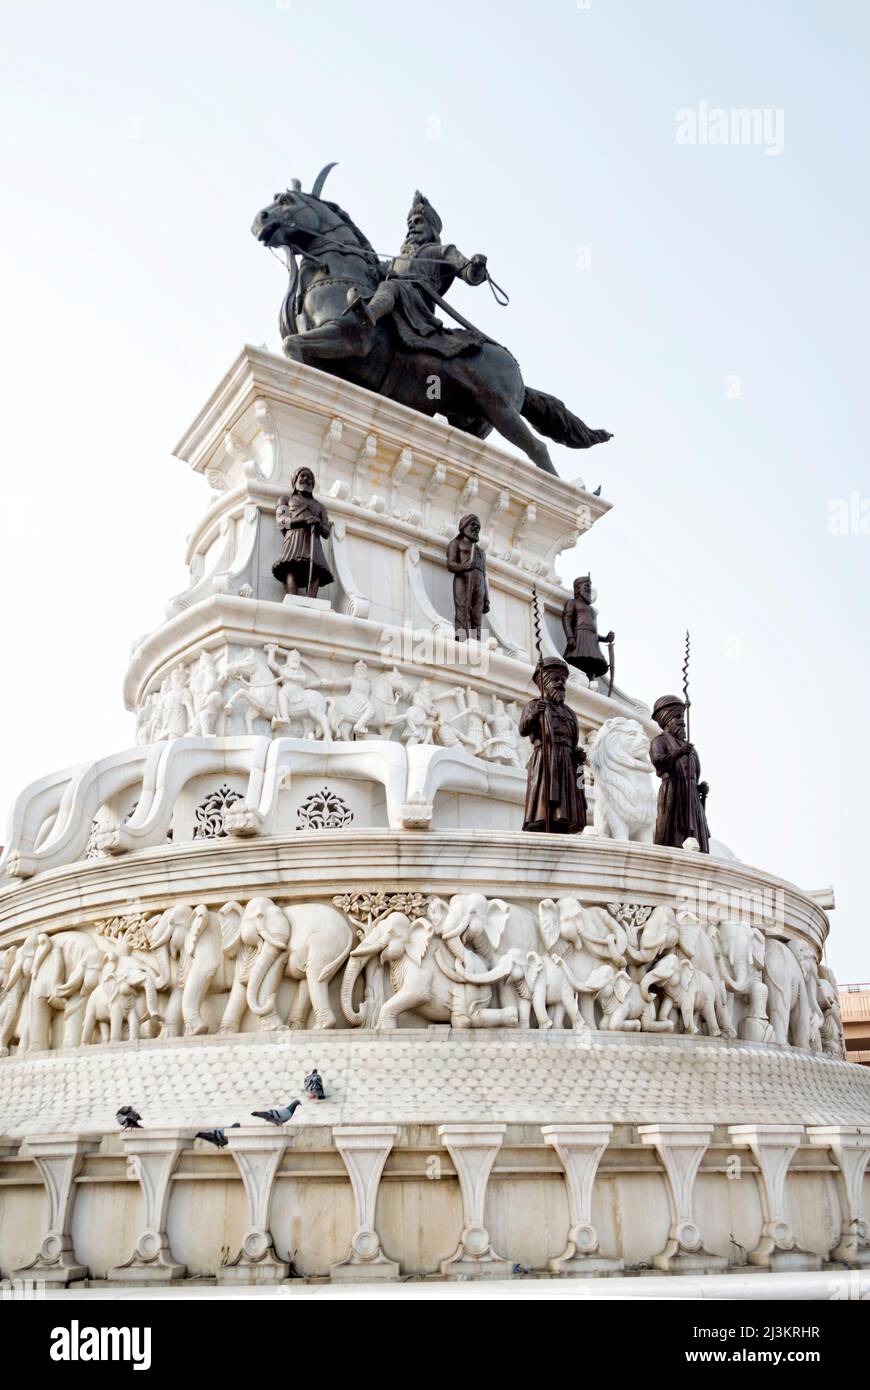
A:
x: 258, y: 1153
x: 473, y: 1148
x: 773, y: 1147
x: 851, y: 1150
x: 580, y: 1148
x: 152, y: 1155
x: 680, y: 1148
x: 365, y: 1149
x: 59, y: 1158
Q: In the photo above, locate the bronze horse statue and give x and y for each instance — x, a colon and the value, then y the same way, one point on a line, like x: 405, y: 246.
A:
x: 331, y: 263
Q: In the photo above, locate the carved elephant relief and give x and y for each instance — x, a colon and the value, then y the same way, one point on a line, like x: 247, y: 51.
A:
x: 582, y: 937
x: 424, y: 976
x: 793, y: 1016
x: 683, y: 984
x: 115, y: 1004
x: 188, y: 945
x: 57, y: 960
x: 741, y: 959
x: 532, y: 983
x: 308, y: 942
x: 623, y: 1006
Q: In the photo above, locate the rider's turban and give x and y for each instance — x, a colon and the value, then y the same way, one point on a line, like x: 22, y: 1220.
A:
x: 421, y: 204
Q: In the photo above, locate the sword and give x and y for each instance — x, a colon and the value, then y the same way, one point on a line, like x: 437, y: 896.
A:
x: 454, y: 313
x: 311, y: 557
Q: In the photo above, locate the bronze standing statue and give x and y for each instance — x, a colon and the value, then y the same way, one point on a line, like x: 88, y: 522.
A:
x: 681, y: 815
x: 304, y: 523
x: 554, y: 800
x: 580, y: 624
x: 372, y: 322
x: 467, y: 564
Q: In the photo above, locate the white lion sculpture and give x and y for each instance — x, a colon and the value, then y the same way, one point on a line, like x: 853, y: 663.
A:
x: 625, y: 795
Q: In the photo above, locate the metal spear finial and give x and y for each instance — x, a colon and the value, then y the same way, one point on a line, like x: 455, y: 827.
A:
x: 545, y: 732
x: 686, y: 699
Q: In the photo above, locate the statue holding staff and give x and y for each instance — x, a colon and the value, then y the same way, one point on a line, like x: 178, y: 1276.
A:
x: 304, y: 523
x: 681, y: 815
x: 554, y: 801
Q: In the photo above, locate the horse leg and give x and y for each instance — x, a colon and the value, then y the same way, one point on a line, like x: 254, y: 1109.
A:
x: 251, y: 713
x: 508, y: 421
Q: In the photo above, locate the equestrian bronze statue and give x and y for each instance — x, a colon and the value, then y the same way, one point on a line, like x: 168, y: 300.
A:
x: 372, y: 322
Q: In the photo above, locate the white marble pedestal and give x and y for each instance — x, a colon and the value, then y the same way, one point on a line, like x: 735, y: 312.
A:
x: 151, y: 1158
x: 580, y: 1148
x: 851, y: 1150
x: 773, y: 1147
x: 473, y: 1148
x: 680, y: 1149
x: 365, y: 1149
x: 58, y: 1158
x: 258, y: 1153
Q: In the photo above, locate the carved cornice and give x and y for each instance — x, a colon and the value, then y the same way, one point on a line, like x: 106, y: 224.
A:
x: 307, y: 865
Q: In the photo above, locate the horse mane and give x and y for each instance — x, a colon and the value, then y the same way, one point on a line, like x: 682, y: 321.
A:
x: 346, y: 217
x: 349, y: 222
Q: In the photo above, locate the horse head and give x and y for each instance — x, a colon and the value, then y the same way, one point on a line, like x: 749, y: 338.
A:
x: 293, y: 219
x: 299, y: 220
x: 243, y: 663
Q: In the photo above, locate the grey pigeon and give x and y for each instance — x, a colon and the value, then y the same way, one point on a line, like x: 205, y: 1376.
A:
x: 218, y: 1137
x: 597, y: 492
x: 280, y: 1114
x: 128, y: 1118
x: 313, y: 1084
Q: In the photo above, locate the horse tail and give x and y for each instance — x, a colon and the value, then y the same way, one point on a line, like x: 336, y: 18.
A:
x: 552, y: 418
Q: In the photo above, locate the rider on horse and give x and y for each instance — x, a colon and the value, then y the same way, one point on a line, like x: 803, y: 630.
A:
x: 338, y: 291
x: 423, y: 262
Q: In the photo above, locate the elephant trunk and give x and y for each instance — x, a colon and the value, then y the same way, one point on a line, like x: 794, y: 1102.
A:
x: 163, y: 962
x: 648, y: 984
x: 354, y: 966
x: 460, y: 975
x: 262, y: 973
x: 579, y: 985
x: 735, y: 984
x: 151, y: 987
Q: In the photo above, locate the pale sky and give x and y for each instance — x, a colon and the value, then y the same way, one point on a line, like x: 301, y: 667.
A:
x: 708, y: 303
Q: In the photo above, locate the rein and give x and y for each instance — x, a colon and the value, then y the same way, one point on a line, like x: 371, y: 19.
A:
x: 501, y: 296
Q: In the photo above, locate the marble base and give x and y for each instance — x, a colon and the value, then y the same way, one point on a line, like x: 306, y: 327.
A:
x: 319, y: 605
x: 265, y: 1271
x: 58, y: 1274
x: 690, y: 1262
x: 476, y: 1269
x: 152, y: 1272
x: 363, y: 1271
x: 585, y: 1265
x: 781, y: 1261
x: 850, y: 1252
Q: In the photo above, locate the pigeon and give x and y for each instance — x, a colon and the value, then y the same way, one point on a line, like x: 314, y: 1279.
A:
x: 597, y: 492
x: 218, y: 1137
x: 313, y: 1084
x: 280, y: 1114
x: 128, y: 1118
